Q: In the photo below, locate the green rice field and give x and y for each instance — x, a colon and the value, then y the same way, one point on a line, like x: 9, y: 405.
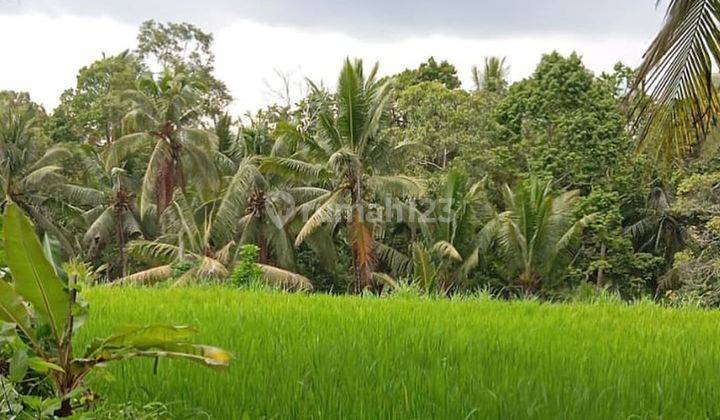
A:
x: 328, y: 357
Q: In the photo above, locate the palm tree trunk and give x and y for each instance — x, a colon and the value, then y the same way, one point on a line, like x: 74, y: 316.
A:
x: 47, y: 226
x: 601, y: 269
x: 362, y: 241
x: 528, y: 282
x: 262, y: 246
x: 120, y: 236
x: 170, y: 177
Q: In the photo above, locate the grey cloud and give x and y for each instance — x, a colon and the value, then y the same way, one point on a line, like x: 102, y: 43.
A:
x: 380, y: 19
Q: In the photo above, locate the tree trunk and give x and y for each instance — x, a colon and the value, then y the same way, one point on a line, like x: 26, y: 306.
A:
x: 120, y: 233
x: 262, y: 246
x: 601, y: 269
x: 528, y: 281
x: 361, y: 239
x: 167, y: 182
x: 65, y: 352
x: 47, y: 226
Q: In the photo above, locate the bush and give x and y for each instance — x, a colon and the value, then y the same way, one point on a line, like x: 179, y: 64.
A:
x: 247, y: 273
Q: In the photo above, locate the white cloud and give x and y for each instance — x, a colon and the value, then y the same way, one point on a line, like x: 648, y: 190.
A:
x: 44, y: 54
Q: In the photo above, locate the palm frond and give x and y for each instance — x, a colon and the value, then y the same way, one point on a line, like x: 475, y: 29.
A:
x: 445, y: 249
x: 396, y: 186
x: 676, y: 75
x: 326, y: 213
x: 101, y: 228
x: 285, y: 279
x: 79, y: 195
x: 154, y: 250
x: 290, y: 169
x: 147, y: 277
x: 574, y: 231
x: 156, y: 165
x: 44, y: 177
x: 234, y: 201
x: 424, y: 271
x: 344, y: 160
x: 385, y: 280
x: 398, y: 262
x: 119, y: 150
x: 212, y: 268
x: 55, y: 155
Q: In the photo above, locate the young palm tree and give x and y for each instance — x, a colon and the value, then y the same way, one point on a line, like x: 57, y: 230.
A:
x: 658, y: 231
x: 353, y: 154
x: 448, y: 250
x: 191, y: 235
x: 158, y: 122
x: 533, y: 232
x: 677, y: 96
x: 493, y: 77
x: 30, y: 171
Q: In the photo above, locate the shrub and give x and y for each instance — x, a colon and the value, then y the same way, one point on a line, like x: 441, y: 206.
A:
x: 247, y: 273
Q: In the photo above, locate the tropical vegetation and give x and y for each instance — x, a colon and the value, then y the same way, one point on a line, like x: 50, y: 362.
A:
x: 566, y: 185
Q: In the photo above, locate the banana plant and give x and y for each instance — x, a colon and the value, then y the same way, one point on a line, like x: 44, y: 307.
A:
x: 43, y: 311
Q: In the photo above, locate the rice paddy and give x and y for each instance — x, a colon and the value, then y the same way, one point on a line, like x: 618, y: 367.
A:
x: 316, y: 356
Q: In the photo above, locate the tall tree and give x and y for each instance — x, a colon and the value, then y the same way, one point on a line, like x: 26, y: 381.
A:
x: 190, y: 235
x: 429, y: 71
x: 108, y: 202
x: 447, y: 249
x: 160, y: 119
x: 31, y: 170
x: 442, y: 127
x: 185, y: 48
x: 92, y: 111
x: 659, y: 230
x: 352, y: 152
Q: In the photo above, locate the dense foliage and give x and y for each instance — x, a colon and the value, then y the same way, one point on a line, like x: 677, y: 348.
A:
x: 566, y: 185
x: 530, y: 188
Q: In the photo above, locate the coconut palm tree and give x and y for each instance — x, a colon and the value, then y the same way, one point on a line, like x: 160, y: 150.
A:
x: 256, y: 206
x: 355, y: 157
x: 658, y: 231
x: 537, y: 227
x: 190, y: 238
x: 31, y: 169
x: 677, y: 98
x: 493, y: 77
x: 259, y: 206
x: 159, y: 123
x: 448, y: 250
x: 108, y: 203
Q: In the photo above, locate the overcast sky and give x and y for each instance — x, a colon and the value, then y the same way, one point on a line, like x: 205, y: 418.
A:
x: 45, y: 42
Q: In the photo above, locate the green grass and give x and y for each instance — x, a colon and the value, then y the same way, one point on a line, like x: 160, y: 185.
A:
x: 346, y: 357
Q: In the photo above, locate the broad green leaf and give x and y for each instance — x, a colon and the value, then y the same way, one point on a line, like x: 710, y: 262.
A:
x: 51, y: 249
x: 209, y: 356
x: 34, y: 277
x: 43, y: 407
x: 155, y: 341
x: 41, y: 365
x: 18, y: 365
x: 13, y: 310
x: 144, y: 337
